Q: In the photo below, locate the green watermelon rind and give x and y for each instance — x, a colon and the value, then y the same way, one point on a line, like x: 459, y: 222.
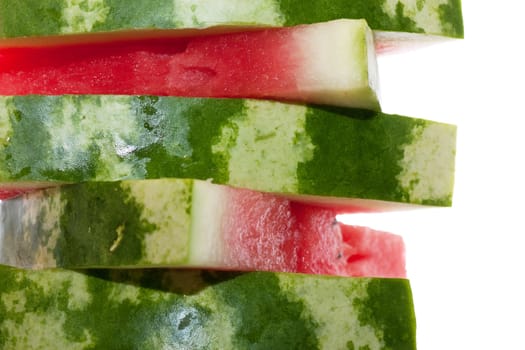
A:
x: 152, y: 309
x: 31, y: 18
x: 268, y: 146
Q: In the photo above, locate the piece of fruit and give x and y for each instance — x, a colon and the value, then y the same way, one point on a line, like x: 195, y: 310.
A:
x: 260, y: 145
x: 168, y: 309
x: 61, y: 19
x: 294, y: 63
x: 187, y: 223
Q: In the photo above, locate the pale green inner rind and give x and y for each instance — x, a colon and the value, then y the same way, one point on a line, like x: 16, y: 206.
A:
x: 209, y: 206
x: 340, y: 71
x: 373, y: 71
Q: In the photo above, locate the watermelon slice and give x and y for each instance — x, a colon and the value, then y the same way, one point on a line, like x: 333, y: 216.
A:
x: 295, y: 63
x: 62, y: 19
x: 187, y: 223
x: 261, y: 145
x: 167, y: 309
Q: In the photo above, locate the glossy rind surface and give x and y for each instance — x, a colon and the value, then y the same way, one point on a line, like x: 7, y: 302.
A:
x: 201, y: 310
x: 260, y: 145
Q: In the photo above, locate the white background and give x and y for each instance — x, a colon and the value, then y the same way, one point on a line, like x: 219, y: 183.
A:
x: 467, y: 263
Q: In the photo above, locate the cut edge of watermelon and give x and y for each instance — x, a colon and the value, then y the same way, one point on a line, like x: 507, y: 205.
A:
x: 122, y: 35
x: 205, y: 238
x: 385, y: 41
x: 398, y: 42
x: 334, y: 72
x: 353, y: 205
x: 9, y: 190
x: 295, y: 64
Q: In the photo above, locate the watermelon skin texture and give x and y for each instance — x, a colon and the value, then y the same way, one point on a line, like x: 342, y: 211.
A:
x: 153, y: 309
x: 30, y: 18
x: 188, y: 223
x: 259, y: 145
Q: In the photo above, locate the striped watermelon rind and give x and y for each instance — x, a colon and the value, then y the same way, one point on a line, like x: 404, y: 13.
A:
x: 260, y: 145
x: 30, y: 18
x: 152, y: 309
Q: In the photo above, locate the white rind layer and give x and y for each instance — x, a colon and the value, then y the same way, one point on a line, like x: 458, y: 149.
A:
x: 340, y: 64
x: 209, y: 205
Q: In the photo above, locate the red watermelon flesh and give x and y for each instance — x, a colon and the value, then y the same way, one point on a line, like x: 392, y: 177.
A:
x: 285, y: 63
x: 348, y: 250
x: 177, y: 66
x: 10, y: 193
x: 276, y: 234
x: 14, y: 189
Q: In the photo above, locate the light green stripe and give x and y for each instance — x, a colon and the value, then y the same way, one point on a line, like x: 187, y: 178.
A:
x: 115, y: 145
x: 425, y: 14
x: 6, y: 130
x: 426, y: 164
x: 266, y: 142
x: 82, y: 15
x: 34, y: 328
x: 168, y: 206
x: 319, y: 298
x: 198, y: 13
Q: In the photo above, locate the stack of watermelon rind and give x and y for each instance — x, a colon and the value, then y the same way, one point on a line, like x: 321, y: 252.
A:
x: 172, y: 171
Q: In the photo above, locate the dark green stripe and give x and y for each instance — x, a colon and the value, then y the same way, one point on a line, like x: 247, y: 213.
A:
x: 364, y: 163
x: 264, y: 321
x: 30, y: 18
x: 92, y: 215
x: 152, y: 14
x: 186, y: 130
x: 378, y: 311
x: 451, y: 14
